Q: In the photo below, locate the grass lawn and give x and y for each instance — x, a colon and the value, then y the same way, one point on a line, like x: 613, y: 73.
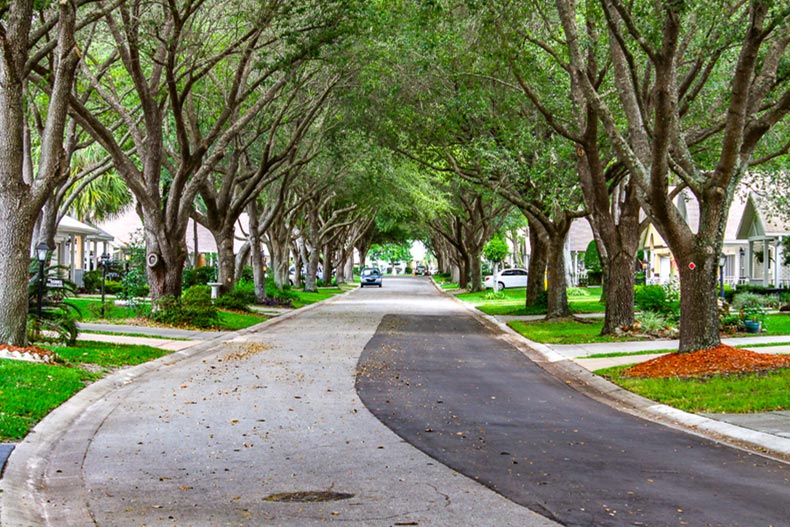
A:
x: 775, y: 324
x: 575, y: 332
x: 234, y: 320
x: 511, y: 301
x: 304, y: 298
x: 754, y: 392
x: 562, y: 331
x: 29, y: 391
x: 90, y: 308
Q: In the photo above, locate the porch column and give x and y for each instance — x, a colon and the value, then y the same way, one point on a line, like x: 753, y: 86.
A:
x: 750, y: 261
x: 72, y: 256
x: 766, y: 262
x: 778, y: 257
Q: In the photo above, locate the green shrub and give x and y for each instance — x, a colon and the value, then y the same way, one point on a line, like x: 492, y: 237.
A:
x: 731, y: 322
x: 653, y: 323
x: 408, y: 270
x: 246, y: 274
x: 199, y: 276
x: 576, y: 291
x: 91, y: 281
x: 193, y: 309
x: 592, y: 259
x: 54, y: 320
x: 239, y: 299
x: 650, y: 298
x: 111, y: 287
x: 494, y: 295
x: 748, y: 299
x: 772, y: 302
x: 196, y: 295
x: 134, y: 284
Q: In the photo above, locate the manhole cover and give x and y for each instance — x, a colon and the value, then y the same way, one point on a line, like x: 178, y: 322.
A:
x: 308, y: 496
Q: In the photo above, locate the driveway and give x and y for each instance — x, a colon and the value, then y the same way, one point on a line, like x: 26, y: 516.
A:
x: 261, y: 428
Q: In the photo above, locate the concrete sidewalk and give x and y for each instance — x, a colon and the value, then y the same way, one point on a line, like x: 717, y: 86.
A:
x: 152, y: 331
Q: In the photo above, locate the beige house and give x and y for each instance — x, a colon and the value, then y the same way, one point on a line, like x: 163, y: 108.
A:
x: 750, y: 235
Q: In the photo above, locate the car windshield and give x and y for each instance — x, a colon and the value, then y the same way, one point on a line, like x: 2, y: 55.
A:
x: 369, y: 272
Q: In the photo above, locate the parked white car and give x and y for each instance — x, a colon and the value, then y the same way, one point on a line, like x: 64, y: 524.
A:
x: 514, y: 277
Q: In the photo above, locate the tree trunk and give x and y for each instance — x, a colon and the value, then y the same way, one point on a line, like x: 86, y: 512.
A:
x: 620, y: 293
x: 256, y: 254
x: 699, y: 328
x: 557, y: 286
x: 16, y: 231
x: 226, y: 259
x: 463, y: 271
x: 165, y: 276
x: 21, y: 196
x: 349, y: 267
x: 279, y: 250
x: 476, y: 271
x: 310, y: 281
x: 538, y: 242
x: 363, y: 255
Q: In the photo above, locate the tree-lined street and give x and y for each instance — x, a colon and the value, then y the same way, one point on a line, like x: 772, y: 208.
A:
x: 215, y: 436
x: 267, y: 152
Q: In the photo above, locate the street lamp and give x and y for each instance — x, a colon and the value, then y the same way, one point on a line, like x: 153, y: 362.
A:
x: 42, y: 251
x: 722, y: 263
x: 105, y: 259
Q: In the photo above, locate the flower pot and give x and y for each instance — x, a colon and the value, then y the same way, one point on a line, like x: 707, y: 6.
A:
x: 752, y: 326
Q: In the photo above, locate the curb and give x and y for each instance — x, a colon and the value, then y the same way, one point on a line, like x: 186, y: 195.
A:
x: 602, y: 390
x: 22, y: 501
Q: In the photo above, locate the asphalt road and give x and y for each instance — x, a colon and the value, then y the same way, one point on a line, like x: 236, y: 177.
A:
x: 447, y: 385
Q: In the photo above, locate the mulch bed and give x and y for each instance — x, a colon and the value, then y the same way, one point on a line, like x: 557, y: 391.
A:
x: 32, y: 353
x: 721, y: 360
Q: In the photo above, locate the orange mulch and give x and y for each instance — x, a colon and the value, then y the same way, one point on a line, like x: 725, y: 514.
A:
x: 721, y: 360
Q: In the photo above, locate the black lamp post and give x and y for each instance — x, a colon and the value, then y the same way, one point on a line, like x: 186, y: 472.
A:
x: 105, y: 259
x: 722, y: 263
x: 42, y: 251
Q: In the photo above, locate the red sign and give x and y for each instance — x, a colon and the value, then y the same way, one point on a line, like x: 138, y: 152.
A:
x: 692, y: 266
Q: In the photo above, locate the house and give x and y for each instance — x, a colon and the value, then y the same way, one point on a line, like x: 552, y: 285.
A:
x: 762, y: 234
x: 128, y: 226
x: 660, y: 264
x: 79, y: 246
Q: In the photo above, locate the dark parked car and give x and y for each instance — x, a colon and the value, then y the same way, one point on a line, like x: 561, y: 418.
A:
x: 370, y: 276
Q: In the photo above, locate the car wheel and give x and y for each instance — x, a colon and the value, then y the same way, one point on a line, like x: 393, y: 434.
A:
x: 500, y: 286
x: 379, y: 285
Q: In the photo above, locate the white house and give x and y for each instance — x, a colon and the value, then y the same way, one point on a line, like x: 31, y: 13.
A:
x: 762, y: 260
x: 79, y: 246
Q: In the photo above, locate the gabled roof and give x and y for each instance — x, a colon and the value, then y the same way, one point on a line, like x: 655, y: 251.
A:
x: 756, y: 221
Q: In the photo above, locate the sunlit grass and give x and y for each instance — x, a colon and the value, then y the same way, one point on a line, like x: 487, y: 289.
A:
x: 29, y: 391
x: 511, y: 301
x: 563, y: 331
x: 742, y: 393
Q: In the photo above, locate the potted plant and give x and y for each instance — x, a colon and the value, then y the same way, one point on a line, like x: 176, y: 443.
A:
x: 753, y: 318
